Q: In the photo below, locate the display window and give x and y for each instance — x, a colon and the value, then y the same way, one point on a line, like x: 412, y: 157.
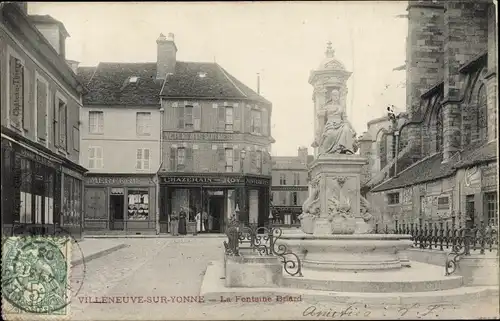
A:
x: 138, y: 204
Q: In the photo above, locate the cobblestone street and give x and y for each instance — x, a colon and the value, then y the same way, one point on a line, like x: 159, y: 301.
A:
x: 172, y: 268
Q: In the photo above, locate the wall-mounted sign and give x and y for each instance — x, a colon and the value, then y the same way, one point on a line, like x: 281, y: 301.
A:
x: 113, y: 180
x: 214, y: 180
x: 36, y: 157
x: 201, y: 136
x: 287, y: 209
x: 290, y: 188
x: 71, y: 172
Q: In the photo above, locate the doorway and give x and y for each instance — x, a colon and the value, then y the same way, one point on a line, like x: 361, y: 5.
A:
x: 216, y: 213
x: 116, y: 209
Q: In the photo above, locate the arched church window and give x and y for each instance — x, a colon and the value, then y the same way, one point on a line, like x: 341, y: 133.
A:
x: 382, y: 150
x: 403, y: 139
x: 439, y: 129
x: 482, y: 114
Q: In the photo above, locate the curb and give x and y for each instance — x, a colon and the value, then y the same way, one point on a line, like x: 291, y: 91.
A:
x: 99, y: 254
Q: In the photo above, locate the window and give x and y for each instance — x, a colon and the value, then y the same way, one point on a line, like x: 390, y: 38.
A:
x: 258, y: 160
x: 439, y: 129
x: 16, y: 91
x: 294, y: 198
x: 62, y: 109
x: 382, y: 151
x: 133, y: 79
x: 188, y: 116
x: 229, y: 159
x: 443, y: 203
x: 229, y: 118
x: 296, y: 179
x: 393, y: 198
x: 256, y: 121
x: 76, y: 138
x: 282, y: 179
x: 41, y: 110
x: 482, y: 114
x: 181, y: 157
x: 143, y: 123
x: 95, y: 157
x: 491, y: 208
x: 142, y: 158
x: 138, y: 205
x: 96, y: 122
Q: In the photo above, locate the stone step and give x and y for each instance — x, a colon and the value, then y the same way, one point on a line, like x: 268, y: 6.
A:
x: 420, y: 277
x: 213, y: 289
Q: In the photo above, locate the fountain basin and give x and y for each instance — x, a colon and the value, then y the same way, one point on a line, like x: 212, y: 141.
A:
x: 350, y: 252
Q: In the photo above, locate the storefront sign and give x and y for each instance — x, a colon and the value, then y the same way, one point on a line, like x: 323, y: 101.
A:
x: 104, y: 180
x: 290, y: 188
x: 200, y: 136
x: 213, y: 180
x: 71, y: 172
x: 287, y: 209
x: 36, y: 157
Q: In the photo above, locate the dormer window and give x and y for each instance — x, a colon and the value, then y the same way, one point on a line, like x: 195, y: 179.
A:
x: 202, y: 74
x: 133, y: 79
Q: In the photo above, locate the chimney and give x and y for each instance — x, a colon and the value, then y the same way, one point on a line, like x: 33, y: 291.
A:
x: 73, y: 65
x: 258, y: 83
x: 166, y: 55
x: 302, y: 153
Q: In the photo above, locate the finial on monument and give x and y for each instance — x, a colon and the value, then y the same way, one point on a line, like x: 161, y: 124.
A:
x: 329, y: 50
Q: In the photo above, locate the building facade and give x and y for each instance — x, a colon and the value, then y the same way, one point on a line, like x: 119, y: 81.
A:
x: 120, y: 130
x: 215, y: 143
x: 447, y: 173
x: 42, y: 182
x: 289, y: 187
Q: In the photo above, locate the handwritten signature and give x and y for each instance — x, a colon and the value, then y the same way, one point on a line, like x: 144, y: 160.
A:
x: 364, y: 311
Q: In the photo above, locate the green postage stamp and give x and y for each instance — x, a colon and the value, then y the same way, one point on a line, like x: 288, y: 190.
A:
x: 36, y: 278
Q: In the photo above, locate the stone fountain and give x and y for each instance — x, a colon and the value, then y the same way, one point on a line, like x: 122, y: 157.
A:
x: 336, y: 255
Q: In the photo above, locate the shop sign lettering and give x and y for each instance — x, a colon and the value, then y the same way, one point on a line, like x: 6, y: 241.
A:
x: 199, y: 136
x: 290, y: 188
x: 213, y: 180
x: 288, y: 209
x: 71, y: 172
x: 114, y: 181
x: 37, y: 157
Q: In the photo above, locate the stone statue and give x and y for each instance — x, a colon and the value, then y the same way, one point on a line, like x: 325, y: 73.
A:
x: 311, y: 204
x: 338, y: 136
x: 368, y: 218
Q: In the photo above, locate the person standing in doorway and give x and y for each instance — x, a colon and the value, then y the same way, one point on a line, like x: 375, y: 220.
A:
x: 204, y: 217
x: 182, y: 223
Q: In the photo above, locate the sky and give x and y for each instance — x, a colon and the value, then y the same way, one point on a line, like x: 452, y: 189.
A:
x: 283, y: 41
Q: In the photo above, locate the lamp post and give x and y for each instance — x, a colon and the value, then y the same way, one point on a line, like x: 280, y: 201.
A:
x: 242, y: 190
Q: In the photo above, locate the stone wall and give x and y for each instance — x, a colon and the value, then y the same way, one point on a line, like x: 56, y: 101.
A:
x: 491, y: 78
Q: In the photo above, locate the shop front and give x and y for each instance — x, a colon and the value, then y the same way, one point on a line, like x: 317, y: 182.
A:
x: 41, y: 193
x: 120, y: 204
x: 208, y: 201
x: 286, y: 215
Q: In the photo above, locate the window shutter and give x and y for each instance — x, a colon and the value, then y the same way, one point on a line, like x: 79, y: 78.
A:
x: 197, y: 117
x: 65, y: 126
x: 146, y: 157
x: 41, y: 105
x: 236, y: 160
x: 173, y: 157
x: 248, y: 119
x: 265, y: 163
x: 189, y: 158
x: 56, y: 122
x: 221, y: 164
x: 237, y: 118
x: 265, y: 122
x: 221, y: 118
x: 27, y: 111
x: 180, y: 117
